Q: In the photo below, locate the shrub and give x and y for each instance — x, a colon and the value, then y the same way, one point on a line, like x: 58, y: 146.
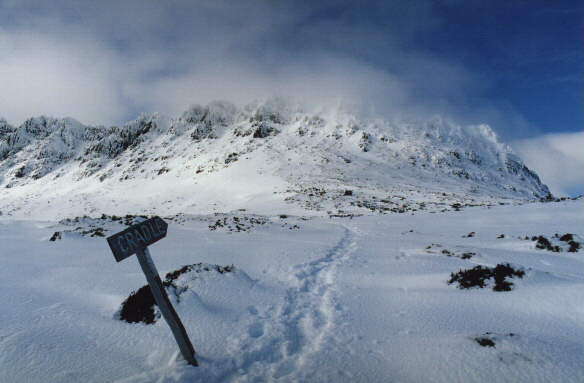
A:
x: 479, y: 275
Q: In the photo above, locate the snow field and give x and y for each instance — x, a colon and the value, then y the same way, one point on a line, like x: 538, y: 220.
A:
x: 344, y: 300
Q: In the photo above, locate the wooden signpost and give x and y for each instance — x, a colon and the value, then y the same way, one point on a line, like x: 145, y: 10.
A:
x: 135, y: 240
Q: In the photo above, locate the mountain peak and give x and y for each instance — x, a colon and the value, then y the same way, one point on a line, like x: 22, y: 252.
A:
x: 219, y: 157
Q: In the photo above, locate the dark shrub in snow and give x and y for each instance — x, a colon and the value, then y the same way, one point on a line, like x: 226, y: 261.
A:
x: 569, y: 238
x: 574, y: 246
x: 474, y: 277
x: 489, y: 339
x: 567, y: 242
x: 479, y: 275
x: 485, y: 342
x: 566, y: 237
x: 468, y: 255
x: 139, y: 306
x: 544, y: 244
x: 56, y: 235
x: 197, y: 268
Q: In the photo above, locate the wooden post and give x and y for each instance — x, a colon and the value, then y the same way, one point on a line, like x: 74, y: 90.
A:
x: 135, y: 240
x: 168, y: 312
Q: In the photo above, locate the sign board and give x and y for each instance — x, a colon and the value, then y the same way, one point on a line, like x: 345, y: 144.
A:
x: 135, y: 240
x: 137, y: 237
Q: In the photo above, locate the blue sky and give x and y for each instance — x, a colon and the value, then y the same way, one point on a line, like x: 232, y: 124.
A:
x: 516, y: 65
x: 530, y: 53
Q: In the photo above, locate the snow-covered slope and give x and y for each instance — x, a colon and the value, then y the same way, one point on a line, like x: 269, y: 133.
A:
x: 336, y: 300
x: 262, y: 157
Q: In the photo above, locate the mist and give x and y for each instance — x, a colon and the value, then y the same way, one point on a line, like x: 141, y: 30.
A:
x: 107, y: 63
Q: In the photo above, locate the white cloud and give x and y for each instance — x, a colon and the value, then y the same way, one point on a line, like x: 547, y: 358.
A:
x: 322, y: 81
x: 43, y: 75
x: 106, y: 63
x: 558, y: 159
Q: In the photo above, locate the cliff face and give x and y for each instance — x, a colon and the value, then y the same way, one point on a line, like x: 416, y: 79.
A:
x: 260, y: 157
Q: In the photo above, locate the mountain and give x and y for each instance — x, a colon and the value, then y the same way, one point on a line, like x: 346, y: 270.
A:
x: 265, y: 157
x: 288, y: 290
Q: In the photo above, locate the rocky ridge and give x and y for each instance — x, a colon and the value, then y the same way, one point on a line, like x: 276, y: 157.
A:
x: 261, y: 157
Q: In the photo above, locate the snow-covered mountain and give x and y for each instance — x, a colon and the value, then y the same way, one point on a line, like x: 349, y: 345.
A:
x: 298, y: 287
x: 261, y: 157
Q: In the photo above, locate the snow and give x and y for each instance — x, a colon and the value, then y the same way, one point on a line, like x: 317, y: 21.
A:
x: 357, y: 299
x: 219, y: 158
x: 343, y: 232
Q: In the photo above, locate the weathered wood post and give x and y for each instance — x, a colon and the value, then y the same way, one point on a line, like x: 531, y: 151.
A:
x: 135, y: 240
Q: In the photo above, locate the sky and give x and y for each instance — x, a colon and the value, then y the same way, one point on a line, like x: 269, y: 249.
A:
x: 515, y: 65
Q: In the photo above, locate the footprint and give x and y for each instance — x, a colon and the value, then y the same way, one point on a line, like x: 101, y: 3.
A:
x: 256, y: 330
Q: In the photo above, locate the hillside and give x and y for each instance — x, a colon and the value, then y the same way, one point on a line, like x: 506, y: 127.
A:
x: 264, y: 157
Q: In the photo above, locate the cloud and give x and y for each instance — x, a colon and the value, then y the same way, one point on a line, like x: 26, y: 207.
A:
x: 43, y: 75
x: 558, y: 159
x: 326, y: 80
x: 105, y: 62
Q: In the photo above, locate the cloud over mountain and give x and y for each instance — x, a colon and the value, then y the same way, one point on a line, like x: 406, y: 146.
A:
x: 106, y: 62
x: 558, y: 159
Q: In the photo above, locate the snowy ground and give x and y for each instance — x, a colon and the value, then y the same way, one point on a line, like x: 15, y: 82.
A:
x: 337, y: 300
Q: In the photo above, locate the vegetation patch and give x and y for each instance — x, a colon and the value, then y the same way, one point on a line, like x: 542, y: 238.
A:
x: 382, y: 207
x: 343, y: 214
x: 490, y: 339
x: 357, y: 201
x: 232, y: 157
x: 237, y: 224
x: 140, y: 305
x: 543, y: 243
x: 435, y: 248
x: 570, y: 240
x: 96, y: 227
x: 558, y: 243
x: 479, y: 276
x: 457, y: 206
x: 485, y: 342
x: 172, y: 276
x: 56, y: 235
